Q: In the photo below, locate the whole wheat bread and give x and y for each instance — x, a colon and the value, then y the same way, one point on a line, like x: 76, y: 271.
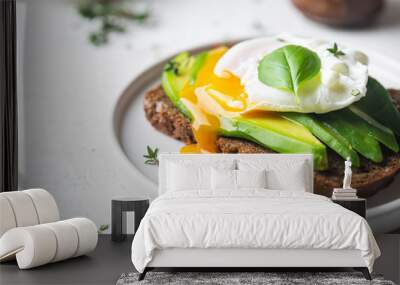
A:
x: 368, y: 179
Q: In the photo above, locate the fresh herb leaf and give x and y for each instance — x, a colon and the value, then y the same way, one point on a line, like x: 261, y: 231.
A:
x: 140, y: 17
x: 172, y: 66
x: 288, y: 67
x: 180, y: 64
x: 112, y: 16
x: 335, y: 50
x: 102, y: 228
x: 151, y: 156
x: 110, y: 25
x: 98, y: 38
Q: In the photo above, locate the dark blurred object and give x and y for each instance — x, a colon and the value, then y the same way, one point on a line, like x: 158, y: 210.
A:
x: 8, y: 99
x: 344, y: 13
x: 112, y: 15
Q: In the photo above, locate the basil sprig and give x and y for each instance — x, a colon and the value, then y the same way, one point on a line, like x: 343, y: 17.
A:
x: 288, y: 67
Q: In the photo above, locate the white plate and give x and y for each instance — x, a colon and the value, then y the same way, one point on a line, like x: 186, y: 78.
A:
x: 134, y: 133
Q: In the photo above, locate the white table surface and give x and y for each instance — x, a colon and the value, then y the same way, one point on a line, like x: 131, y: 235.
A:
x: 69, y: 88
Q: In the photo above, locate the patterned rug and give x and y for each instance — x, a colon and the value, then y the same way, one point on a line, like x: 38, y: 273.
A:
x: 243, y: 278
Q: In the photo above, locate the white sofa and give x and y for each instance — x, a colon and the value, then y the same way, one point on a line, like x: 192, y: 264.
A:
x: 31, y: 231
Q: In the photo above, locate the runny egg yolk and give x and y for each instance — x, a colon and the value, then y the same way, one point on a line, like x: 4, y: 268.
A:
x: 209, y: 97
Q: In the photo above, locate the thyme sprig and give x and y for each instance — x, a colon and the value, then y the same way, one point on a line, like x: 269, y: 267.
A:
x: 151, y: 156
x: 335, y: 50
x: 112, y: 15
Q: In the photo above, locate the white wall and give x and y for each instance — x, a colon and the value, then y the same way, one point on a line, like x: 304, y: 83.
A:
x: 70, y: 87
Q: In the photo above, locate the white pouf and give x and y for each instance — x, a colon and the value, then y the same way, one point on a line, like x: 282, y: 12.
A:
x: 7, y: 220
x: 37, y: 245
x: 31, y: 233
x: 23, y: 208
x: 67, y: 237
x: 87, y: 233
x: 45, y: 205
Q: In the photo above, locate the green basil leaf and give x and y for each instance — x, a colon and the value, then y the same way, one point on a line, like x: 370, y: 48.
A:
x: 288, y: 67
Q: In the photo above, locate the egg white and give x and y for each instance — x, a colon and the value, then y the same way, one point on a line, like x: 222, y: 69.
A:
x: 341, y: 82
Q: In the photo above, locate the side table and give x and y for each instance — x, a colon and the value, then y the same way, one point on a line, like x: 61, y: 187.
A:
x: 119, y: 207
x: 356, y: 205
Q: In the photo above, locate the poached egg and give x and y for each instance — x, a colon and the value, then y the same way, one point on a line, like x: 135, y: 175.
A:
x: 342, y: 79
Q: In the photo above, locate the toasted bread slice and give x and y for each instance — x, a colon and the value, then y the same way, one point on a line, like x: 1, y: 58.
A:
x: 163, y: 116
x: 368, y: 179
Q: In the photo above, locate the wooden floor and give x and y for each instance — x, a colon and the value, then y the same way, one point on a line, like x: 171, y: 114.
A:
x: 110, y: 260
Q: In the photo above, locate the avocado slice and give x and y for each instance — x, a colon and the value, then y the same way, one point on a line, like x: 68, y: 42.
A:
x: 175, y: 75
x: 199, y: 61
x: 274, y: 132
x: 278, y: 134
x: 363, y: 143
x: 326, y: 134
x: 379, y: 105
x: 361, y: 123
x: 367, y: 125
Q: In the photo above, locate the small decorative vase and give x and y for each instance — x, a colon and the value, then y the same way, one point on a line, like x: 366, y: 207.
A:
x: 344, y: 13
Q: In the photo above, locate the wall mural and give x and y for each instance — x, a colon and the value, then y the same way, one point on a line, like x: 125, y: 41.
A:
x: 135, y: 81
x: 304, y: 96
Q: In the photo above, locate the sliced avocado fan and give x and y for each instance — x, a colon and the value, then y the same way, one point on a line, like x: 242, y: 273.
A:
x: 328, y: 135
x: 360, y: 140
x: 377, y: 131
x: 278, y: 134
x: 352, y: 129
